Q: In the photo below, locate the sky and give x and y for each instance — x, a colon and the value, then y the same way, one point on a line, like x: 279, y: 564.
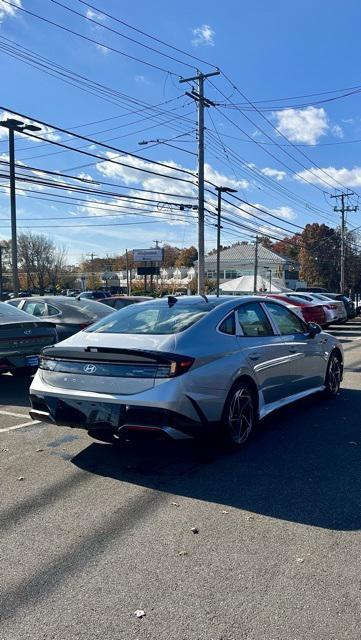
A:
x: 283, y: 129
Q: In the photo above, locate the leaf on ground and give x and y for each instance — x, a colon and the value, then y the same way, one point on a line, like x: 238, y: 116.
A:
x: 21, y: 478
x: 175, y: 504
x: 139, y: 613
x: 300, y: 560
x: 194, y: 530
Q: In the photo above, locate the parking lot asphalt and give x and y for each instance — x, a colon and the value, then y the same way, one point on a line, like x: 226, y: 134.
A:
x: 90, y: 533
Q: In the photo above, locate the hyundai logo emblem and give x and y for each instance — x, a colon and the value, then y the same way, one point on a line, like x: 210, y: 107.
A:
x: 90, y: 368
x: 27, y: 332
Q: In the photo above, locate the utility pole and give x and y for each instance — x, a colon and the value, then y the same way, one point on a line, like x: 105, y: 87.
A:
x: 202, y: 102
x: 13, y: 125
x: 220, y: 190
x: 127, y: 270
x: 92, y: 256
x: 343, y: 209
x: 255, y: 272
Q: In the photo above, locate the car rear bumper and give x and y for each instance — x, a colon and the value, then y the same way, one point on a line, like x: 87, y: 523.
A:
x: 17, y: 361
x: 115, y: 418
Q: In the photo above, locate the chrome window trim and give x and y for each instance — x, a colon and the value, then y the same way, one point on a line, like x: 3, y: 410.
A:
x: 54, y: 315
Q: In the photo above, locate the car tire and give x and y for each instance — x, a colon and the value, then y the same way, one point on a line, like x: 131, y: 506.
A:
x: 239, y: 415
x: 333, y: 376
x: 24, y: 372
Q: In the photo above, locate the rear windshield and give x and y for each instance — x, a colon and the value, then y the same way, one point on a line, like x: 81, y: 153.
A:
x: 10, y: 312
x: 88, y: 307
x: 153, y: 318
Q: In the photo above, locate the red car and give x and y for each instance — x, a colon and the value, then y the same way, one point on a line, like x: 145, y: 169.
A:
x: 309, y: 311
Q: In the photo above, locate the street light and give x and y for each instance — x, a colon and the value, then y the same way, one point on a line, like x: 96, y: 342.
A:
x: 14, y: 125
x: 220, y: 190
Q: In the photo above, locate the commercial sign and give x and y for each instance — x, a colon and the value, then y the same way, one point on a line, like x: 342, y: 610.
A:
x: 148, y: 255
x: 148, y: 271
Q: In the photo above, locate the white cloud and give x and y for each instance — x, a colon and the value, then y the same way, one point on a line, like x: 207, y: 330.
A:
x: 302, y: 125
x: 337, y: 131
x: 282, y: 212
x: 7, y: 10
x: 274, y: 173
x: 45, y: 132
x: 104, y: 50
x: 141, y: 80
x: 203, y: 35
x: 94, y: 15
x: 347, y: 177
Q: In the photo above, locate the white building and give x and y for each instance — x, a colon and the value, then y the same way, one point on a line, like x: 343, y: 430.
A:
x: 239, y: 260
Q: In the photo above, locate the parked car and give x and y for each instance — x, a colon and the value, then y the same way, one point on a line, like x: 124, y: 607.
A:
x: 118, y: 302
x: 308, y: 311
x: 311, y: 289
x: 21, y: 340
x: 184, y: 366
x: 68, y: 315
x: 348, y: 304
x: 93, y: 295
x: 334, y: 309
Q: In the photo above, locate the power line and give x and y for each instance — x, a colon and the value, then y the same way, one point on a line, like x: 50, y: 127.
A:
x: 88, y: 39
x: 96, y: 142
x: 122, y: 35
x: 101, y: 11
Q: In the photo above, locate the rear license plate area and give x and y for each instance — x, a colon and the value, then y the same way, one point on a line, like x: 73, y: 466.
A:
x: 85, y: 413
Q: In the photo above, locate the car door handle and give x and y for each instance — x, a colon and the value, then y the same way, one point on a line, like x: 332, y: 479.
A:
x: 292, y: 349
x: 254, y: 356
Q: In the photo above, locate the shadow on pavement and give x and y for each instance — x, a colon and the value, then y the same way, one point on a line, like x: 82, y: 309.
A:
x: 14, y: 391
x: 303, y: 465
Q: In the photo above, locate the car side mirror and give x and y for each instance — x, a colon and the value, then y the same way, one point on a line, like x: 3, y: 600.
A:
x: 313, y: 329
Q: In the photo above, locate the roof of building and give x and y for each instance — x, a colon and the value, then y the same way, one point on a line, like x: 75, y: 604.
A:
x: 239, y: 252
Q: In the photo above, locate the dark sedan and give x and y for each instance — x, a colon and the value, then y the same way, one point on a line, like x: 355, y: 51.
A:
x: 22, y: 337
x: 68, y: 315
x: 119, y: 302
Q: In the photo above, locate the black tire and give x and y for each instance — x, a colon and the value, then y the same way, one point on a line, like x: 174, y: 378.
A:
x: 239, y: 415
x: 24, y: 372
x: 333, y: 375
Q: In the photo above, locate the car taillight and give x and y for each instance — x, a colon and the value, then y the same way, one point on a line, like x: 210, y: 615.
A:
x: 84, y: 325
x: 174, y: 368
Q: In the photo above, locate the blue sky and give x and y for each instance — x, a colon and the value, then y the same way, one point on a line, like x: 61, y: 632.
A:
x: 286, y: 160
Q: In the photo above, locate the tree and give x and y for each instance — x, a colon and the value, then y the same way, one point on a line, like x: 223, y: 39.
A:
x: 187, y: 257
x: 40, y: 261
x: 319, y: 256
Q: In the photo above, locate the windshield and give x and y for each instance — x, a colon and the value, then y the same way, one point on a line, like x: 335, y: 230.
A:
x: 153, y: 318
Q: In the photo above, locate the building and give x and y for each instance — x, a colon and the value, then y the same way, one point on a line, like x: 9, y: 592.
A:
x: 239, y: 260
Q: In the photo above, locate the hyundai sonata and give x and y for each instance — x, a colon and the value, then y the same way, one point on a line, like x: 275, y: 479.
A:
x: 184, y: 365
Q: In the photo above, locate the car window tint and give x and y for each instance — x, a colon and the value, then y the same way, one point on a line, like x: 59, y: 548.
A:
x: 287, y: 322
x: 228, y: 325
x: 253, y: 320
x: 35, y: 308
x: 53, y: 311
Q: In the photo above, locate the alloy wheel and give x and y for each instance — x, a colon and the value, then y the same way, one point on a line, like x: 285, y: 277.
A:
x: 334, y: 376
x: 240, y: 415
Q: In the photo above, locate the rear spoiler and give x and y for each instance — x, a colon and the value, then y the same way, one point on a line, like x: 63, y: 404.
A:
x: 110, y: 354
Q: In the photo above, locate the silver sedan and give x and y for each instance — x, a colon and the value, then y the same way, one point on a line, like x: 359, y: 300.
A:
x: 183, y: 366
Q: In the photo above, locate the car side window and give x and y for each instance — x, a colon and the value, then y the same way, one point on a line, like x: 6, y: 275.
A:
x: 53, y: 311
x: 35, y: 308
x: 228, y: 325
x: 253, y: 320
x: 287, y: 321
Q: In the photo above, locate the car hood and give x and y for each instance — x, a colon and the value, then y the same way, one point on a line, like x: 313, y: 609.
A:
x: 85, y: 339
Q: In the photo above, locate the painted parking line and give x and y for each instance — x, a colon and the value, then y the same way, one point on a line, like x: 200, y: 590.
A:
x: 20, y: 426
x: 13, y: 414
